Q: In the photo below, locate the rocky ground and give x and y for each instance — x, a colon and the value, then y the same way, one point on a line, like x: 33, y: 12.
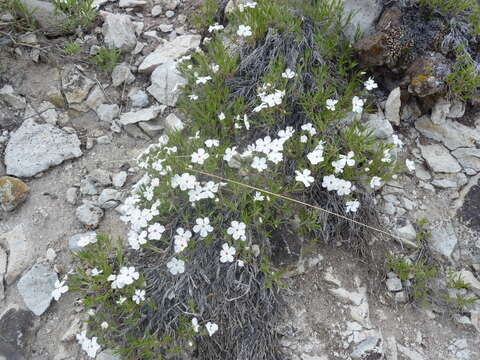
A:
x: 68, y: 142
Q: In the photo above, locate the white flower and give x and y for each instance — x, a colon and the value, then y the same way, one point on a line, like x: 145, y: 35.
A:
x: 60, y: 288
x: 185, y: 181
x: 203, y: 79
x: 375, y: 182
x: 87, y: 239
x: 349, y: 160
x: 309, y: 128
x: 410, y: 164
x: 244, y: 30
x: 330, y: 182
x: 240, y: 263
x: 214, y: 67
x: 387, y: 157
x: 259, y: 164
x: 370, y: 84
x: 200, y: 156
x: 249, y: 4
x: 338, y: 166
x: 121, y: 300
x: 304, y: 177
x: 357, y: 105
x: 275, y: 157
x: 316, y: 156
x: 237, y: 230
x: 96, y: 272
x: 181, y: 239
x: 126, y: 276
x: 139, y: 296
x: 288, y: 74
x: 155, y: 231
x: 246, y: 122
x: 90, y: 346
x: 229, y: 153
x: 303, y: 139
x: 203, y: 227
x: 211, y: 328
x: 352, y: 206
x: 176, y: 266
x: 211, y: 143
x: 344, y: 187
x: 81, y: 337
x: 331, y: 104
x: 193, y: 97
x: 221, y: 116
x: 104, y: 325
x: 227, y: 253
x: 258, y: 196
x: 215, y: 27
x: 195, y: 325
x: 397, y: 141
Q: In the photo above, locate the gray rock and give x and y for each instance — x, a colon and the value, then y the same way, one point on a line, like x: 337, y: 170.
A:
x: 49, y: 20
x: 34, y: 148
x: 392, y: 107
x: 72, y: 195
x: 134, y: 117
x: 94, y: 99
x: 101, y: 176
x: 107, y: 112
x: 107, y: 355
x: 394, y: 284
x: 156, y: 10
x: 139, y: 99
x: 169, y: 14
x: 379, y: 125
x: 468, y: 277
x: 468, y: 157
x: 122, y: 74
x: 20, y: 252
x: 119, y: 32
x: 3, y: 270
x: 109, y: 195
x: 88, y: 187
x: 365, y: 15
x: 103, y: 140
x: 439, y: 159
x: 35, y: 288
x: 131, y: 3
x: 410, y: 354
x: 173, y: 123
x: 76, y: 87
x: 166, y: 28
x: 443, y: 239
x: 152, y: 128
x: 421, y: 172
x: 48, y: 113
x: 8, y: 95
x: 169, y: 51
x: 169, y: 4
x: 166, y: 81
x: 457, y: 109
x: 73, y: 240
x: 89, y: 215
x: 440, y: 111
x: 451, y: 133
x: 119, y: 179
x: 407, y: 232
x: 370, y: 348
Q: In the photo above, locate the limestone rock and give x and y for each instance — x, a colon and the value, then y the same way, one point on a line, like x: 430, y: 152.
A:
x: 119, y: 179
x: 370, y: 348
x: 134, y: 117
x: 443, y: 239
x: 394, y: 284
x: 439, y: 159
x: 457, y: 109
x: 122, y: 74
x: 379, y: 125
x: 365, y: 15
x: 139, y: 99
x: 119, y: 32
x: 468, y: 157
x: 440, y: 111
x: 109, y: 196
x: 165, y: 84
x: 34, y: 148
x: 468, y: 277
x: 169, y: 51
x: 392, y: 107
x: 131, y: 3
x: 173, y: 123
x: 107, y: 112
x: 89, y: 215
x: 75, y: 85
x: 8, y: 95
x: 72, y: 195
x: 49, y: 20
x: 19, y: 250
x: 407, y: 232
x: 13, y: 192
x: 35, y: 288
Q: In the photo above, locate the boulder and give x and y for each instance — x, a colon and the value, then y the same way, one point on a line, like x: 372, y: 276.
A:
x: 166, y: 81
x: 439, y: 159
x: 119, y: 32
x: 13, y: 192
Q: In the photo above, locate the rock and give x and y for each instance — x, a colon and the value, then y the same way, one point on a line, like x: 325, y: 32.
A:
x: 103, y: 140
x: 50, y: 21
x: 119, y: 179
x: 76, y: 87
x: 134, y: 131
x: 72, y: 195
x: 394, y: 284
x: 166, y: 81
x: 156, y: 10
x: 119, y: 32
x: 73, y: 240
x: 8, y: 95
x: 51, y: 255
x: 89, y: 215
x: 19, y: 250
x: 131, y: 3
x: 457, y: 109
x: 426, y: 76
x: 468, y: 277
x: 443, y: 239
x: 48, y: 113
x: 468, y: 158
x: 16, y: 326
x: 364, y: 15
x: 94, y: 99
x: 166, y: 28
x: 370, y: 348
x: 407, y: 232
x: 107, y: 355
x: 139, y: 99
x: 88, y: 187
x: 379, y: 125
x: 447, y: 181
x: 152, y: 128
x: 169, y: 4
x: 439, y: 159
x: 109, y: 195
x: 169, y: 51
x: 35, y: 288
x: 169, y: 14
x: 122, y: 74
x: 452, y: 134
x: 421, y: 172
x: 173, y: 123
x: 392, y: 107
x: 13, y: 192
x: 134, y: 117
x: 101, y: 176
x: 440, y: 111
x: 107, y: 112
x: 410, y: 354
x: 3, y: 270
x: 34, y: 148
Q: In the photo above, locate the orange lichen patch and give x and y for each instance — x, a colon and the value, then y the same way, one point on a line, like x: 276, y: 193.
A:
x: 419, y: 79
x: 12, y: 192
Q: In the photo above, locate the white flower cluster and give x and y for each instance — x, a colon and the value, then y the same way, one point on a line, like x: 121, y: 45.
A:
x: 126, y: 276
x: 341, y: 186
x: 90, y: 346
x: 247, y: 5
x: 60, y: 289
x: 269, y: 97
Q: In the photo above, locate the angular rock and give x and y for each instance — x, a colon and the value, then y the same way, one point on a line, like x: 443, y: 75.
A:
x: 49, y: 20
x: 156, y: 10
x: 122, y: 74
x: 119, y: 179
x: 468, y: 157
x: 20, y: 252
x: 3, y: 270
x: 87, y: 186
x: 101, y: 176
x: 76, y: 87
x: 365, y: 14
x: 173, y: 123
x: 426, y: 76
x: 89, y: 215
x: 35, y: 288
x: 107, y: 112
x: 134, y: 117
x: 72, y: 195
x: 440, y: 111
x: 392, y: 107
x: 139, y: 99
x: 169, y: 51
x: 8, y: 95
x: 394, y: 284
x: 152, y: 128
x: 439, y: 159
x: 73, y: 240
x: 468, y: 277
x: 370, y: 348
x: 13, y: 192
x: 457, y: 109
x: 443, y: 239
x: 166, y: 81
x: 379, y: 125
x: 119, y: 32
x: 131, y: 3
x: 410, y: 354
x: 407, y: 232
x: 34, y: 148
x: 48, y: 113
x: 109, y: 195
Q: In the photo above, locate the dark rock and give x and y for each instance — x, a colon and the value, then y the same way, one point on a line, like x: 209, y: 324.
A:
x: 16, y: 330
x: 426, y: 76
x: 12, y: 192
x: 471, y: 208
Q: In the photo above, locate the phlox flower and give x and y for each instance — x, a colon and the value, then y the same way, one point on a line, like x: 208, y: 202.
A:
x: 200, y: 156
x: 286, y: 133
x: 288, y: 74
x: 237, y: 230
x: 304, y: 177
x: 227, y: 253
x: 275, y: 157
x: 259, y: 164
x: 387, y: 157
x: 397, y: 141
x: 127, y: 276
x: 95, y: 272
x: 316, y: 156
x: 139, y: 296
x: 244, y: 30
x: 303, y: 139
x: 221, y: 116
x: 258, y: 196
x: 330, y: 104
x: 90, y: 346
x: 214, y: 68
x: 60, y: 288
x: 330, y: 182
x: 338, y: 166
x: 308, y: 127
x: 193, y: 97
x: 344, y: 187
x: 104, y: 325
x: 249, y: 4
x: 349, y: 160
x: 203, y: 79
x: 357, y: 105
x: 185, y: 181
x: 375, y: 182
x: 352, y: 205
x: 202, y: 227
x: 410, y: 164
x: 181, y: 239
x: 195, y: 325
x: 155, y: 231
x: 211, y: 143
x: 212, y: 328
x: 176, y: 266
x: 246, y: 122
x: 215, y: 27
x: 370, y: 84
